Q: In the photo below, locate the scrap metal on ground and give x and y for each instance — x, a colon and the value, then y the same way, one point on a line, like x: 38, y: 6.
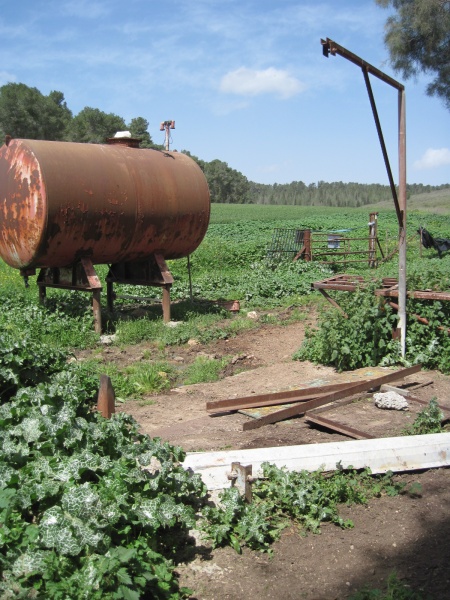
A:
x: 302, y: 401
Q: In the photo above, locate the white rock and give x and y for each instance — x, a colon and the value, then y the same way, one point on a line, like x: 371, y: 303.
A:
x: 172, y: 324
x: 390, y: 401
x: 108, y: 339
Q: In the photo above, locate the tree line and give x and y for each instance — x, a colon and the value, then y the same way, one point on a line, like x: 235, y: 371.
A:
x: 228, y: 186
x: 27, y: 113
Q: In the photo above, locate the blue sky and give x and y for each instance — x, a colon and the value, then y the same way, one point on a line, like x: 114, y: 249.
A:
x: 245, y: 81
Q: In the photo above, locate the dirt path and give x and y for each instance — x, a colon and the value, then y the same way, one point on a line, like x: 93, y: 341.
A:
x: 408, y: 534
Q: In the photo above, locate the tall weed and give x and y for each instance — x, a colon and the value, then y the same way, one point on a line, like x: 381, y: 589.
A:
x: 361, y: 340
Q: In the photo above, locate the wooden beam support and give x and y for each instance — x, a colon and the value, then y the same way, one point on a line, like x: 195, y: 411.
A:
x: 397, y: 454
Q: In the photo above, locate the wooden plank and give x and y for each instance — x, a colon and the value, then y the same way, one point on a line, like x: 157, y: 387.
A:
x: 272, y: 399
x: 339, y: 427
x: 106, y: 397
x: 338, y: 286
x: 398, y: 454
x: 356, y: 388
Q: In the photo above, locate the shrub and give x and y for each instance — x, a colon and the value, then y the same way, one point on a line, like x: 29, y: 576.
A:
x: 361, y: 340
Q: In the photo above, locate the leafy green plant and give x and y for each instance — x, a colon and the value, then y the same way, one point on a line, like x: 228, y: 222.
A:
x: 428, y: 420
x: 281, y: 496
x: 395, y: 590
x: 25, y: 362
x: 235, y: 523
x: 147, y: 377
x: 88, y: 505
x: 204, y: 369
x: 363, y: 339
x: 133, y: 381
x: 60, y: 324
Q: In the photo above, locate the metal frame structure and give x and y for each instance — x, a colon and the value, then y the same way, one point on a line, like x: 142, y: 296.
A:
x: 331, y: 47
x: 319, y: 245
x: 83, y: 277
x: 389, y: 289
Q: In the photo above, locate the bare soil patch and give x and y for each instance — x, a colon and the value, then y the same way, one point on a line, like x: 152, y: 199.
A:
x: 408, y: 534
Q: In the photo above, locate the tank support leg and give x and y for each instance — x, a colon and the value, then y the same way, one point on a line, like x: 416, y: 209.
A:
x: 109, y: 296
x: 81, y: 277
x: 42, y: 294
x: 153, y: 271
x: 97, y: 310
x: 166, y: 302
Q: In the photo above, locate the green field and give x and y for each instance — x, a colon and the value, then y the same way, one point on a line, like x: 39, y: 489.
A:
x: 232, y: 263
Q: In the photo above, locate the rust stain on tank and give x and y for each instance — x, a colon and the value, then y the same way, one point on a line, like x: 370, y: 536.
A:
x: 61, y: 201
x: 22, y: 204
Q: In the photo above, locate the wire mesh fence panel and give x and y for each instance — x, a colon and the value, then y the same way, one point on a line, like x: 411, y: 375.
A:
x: 285, y: 244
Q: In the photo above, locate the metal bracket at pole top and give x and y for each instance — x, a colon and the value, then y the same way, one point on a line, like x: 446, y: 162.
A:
x: 241, y: 478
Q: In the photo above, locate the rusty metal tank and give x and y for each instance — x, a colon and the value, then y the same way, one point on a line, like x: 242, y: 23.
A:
x: 63, y: 201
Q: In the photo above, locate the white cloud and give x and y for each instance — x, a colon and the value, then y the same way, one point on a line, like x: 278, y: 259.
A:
x: 433, y: 158
x: 249, y: 82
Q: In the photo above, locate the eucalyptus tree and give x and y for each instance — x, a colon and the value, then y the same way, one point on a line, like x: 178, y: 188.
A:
x: 94, y: 126
x: 138, y: 127
x: 27, y: 113
x: 418, y: 39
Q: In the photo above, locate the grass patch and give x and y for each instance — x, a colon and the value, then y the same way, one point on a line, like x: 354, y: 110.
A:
x: 133, y: 381
x: 395, y: 590
x: 204, y: 370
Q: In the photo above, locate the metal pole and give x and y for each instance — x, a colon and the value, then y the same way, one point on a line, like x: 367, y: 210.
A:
x: 331, y: 47
x: 372, y: 239
x: 166, y: 302
x: 106, y: 397
x: 402, y: 230
x: 167, y: 138
x: 110, y: 296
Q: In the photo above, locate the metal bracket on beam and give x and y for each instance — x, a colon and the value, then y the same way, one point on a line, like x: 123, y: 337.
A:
x: 241, y: 478
x: 327, y: 48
